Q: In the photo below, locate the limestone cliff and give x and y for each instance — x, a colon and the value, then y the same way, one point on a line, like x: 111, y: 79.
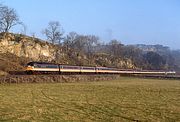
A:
x: 27, y: 47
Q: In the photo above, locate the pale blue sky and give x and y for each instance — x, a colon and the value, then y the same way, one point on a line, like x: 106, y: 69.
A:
x: 130, y: 21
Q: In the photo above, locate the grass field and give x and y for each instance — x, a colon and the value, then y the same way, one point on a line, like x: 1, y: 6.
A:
x: 123, y: 100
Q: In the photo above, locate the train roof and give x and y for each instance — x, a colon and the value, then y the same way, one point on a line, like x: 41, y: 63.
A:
x: 35, y: 62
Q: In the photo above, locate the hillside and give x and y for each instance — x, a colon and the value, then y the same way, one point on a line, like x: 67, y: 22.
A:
x: 171, y: 56
x: 16, y: 50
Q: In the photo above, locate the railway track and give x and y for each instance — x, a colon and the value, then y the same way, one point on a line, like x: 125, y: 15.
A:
x: 175, y: 77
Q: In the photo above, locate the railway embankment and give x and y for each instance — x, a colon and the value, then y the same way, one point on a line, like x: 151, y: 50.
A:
x: 55, y: 78
x: 73, y: 78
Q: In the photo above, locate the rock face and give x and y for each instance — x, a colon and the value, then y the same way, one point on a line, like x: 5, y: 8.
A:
x: 153, y: 48
x: 27, y: 47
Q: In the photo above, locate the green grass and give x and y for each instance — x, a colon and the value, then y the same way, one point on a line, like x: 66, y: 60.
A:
x: 123, y: 100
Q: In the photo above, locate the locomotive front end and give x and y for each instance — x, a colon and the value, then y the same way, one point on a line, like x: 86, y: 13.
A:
x: 29, y: 68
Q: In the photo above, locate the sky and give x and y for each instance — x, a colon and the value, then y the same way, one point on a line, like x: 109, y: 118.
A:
x: 129, y: 21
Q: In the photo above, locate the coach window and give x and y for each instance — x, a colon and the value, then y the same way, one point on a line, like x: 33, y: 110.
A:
x: 52, y: 66
x: 35, y: 65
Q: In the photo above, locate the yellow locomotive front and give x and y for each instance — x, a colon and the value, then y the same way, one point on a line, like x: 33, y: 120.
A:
x: 29, y: 67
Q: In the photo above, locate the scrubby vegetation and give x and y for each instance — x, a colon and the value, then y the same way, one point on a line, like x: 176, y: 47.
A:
x: 10, y: 62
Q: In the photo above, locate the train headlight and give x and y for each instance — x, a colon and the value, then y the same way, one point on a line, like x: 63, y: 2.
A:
x: 29, y: 68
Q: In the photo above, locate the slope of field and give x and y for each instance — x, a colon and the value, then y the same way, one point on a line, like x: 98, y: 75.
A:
x: 126, y: 99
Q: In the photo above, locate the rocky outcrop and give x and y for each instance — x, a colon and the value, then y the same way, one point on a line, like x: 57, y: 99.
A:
x: 153, y: 48
x: 27, y: 47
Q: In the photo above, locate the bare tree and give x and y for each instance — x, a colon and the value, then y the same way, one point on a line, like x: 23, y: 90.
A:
x: 115, y: 48
x: 91, y: 43
x: 69, y: 40
x: 54, y: 32
x: 8, y: 18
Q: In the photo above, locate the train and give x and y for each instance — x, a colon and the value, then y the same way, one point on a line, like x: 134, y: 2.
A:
x: 51, y: 68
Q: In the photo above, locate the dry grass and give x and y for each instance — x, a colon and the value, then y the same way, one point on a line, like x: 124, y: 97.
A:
x: 126, y: 99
